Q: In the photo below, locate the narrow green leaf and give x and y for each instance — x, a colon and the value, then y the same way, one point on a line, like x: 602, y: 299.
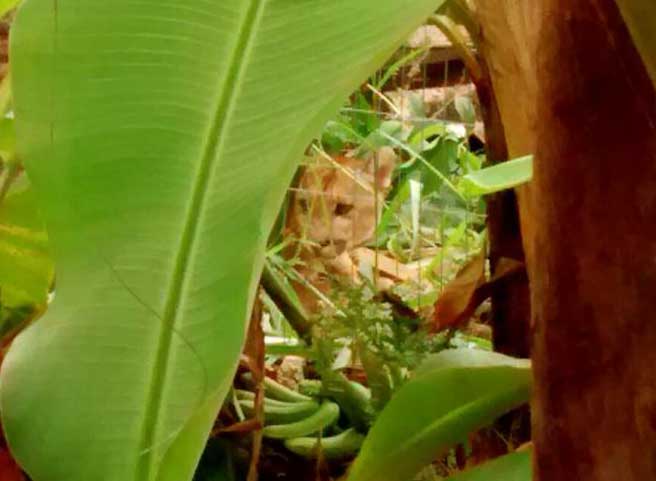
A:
x: 402, y: 194
x: 505, y: 175
x: 640, y: 16
x: 378, y: 138
x: 437, y: 409
x: 468, y: 358
x: 161, y: 137
x: 286, y: 299
x: 415, y: 155
x: 394, y: 68
x: 415, y: 211
x: 460, y: 43
x: 512, y: 467
x: 421, y: 135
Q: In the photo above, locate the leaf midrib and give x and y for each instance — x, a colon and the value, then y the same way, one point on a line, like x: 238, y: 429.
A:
x: 238, y: 59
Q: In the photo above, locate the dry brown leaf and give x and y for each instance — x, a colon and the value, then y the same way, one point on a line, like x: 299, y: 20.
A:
x: 455, y: 305
x: 468, y: 290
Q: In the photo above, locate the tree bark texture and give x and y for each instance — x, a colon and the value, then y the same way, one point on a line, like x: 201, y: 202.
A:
x: 594, y: 273
x: 584, y: 104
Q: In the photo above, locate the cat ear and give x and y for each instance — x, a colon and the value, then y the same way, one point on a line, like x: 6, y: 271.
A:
x: 385, y: 160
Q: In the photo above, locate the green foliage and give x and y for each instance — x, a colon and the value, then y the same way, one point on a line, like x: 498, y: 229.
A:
x: 455, y: 393
x: 160, y: 139
x: 437, y: 159
x: 385, y: 76
x: 284, y: 298
x: 364, y: 328
x: 505, y: 175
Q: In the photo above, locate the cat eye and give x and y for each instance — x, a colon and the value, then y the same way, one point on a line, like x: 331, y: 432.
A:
x: 343, y: 209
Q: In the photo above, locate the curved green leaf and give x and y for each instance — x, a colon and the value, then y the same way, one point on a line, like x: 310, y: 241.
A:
x: 512, y: 467
x: 160, y: 137
x: 437, y: 409
x: 468, y: 358
x: 505, y: 175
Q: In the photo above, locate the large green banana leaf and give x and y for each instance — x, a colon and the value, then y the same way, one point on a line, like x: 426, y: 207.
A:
x: 451, y: 395
x: 640, y: 16
x: 160, y: 136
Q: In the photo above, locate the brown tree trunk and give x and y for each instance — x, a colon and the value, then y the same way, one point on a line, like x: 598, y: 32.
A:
x: 572, y: 90
x: 510, y: 302
x: 594, y: 272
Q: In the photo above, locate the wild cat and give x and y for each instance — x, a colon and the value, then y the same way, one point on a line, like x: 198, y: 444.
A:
x: 335, y: 208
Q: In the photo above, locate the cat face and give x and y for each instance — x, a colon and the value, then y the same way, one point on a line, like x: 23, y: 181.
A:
x: 338, y: 203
